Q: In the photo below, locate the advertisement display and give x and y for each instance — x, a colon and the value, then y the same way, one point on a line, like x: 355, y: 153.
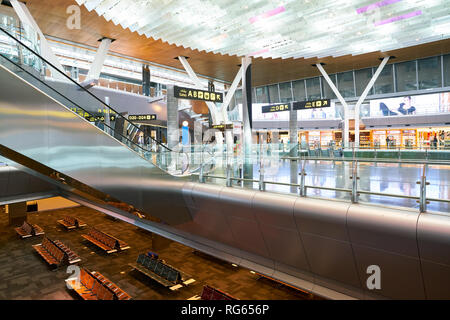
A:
x: 411, y: 105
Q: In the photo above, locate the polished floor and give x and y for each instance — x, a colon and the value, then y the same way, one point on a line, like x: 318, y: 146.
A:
x: 25, y: 275
x: 390, y: 179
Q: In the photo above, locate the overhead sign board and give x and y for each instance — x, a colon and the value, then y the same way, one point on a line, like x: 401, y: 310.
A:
x: 196, y: 94
x: 276, y: 108
x: 303, y: 105
x: 140, y: 117
x: 223, y: 127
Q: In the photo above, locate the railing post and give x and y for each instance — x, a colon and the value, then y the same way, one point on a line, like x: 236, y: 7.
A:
x: 201, y: 177
x: 355, y: 179
x: 302, y: 191
x: 423, y: 190
x: 262, y: 185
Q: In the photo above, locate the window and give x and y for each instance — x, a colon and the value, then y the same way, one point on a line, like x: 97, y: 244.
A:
x: 262, y: 95
x: 313, y: 88
x: 430, y: 73
x: 346, y: 86
x: 273, y: 93
x: 385, y: 82
x: 285, y: 92
x: 405, y: 74
x: 327, y: 91
x: 238, y: 96
x: 362, y: 79
x: 299, y: 90
x: 447, y: 70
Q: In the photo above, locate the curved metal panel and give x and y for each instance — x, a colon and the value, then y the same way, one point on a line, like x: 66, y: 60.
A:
x: 387, y: 238
x: 433, y: 237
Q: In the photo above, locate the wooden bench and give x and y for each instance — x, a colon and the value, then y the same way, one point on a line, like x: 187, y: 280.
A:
x: 94, y: 286
x: 27, y: 230
x: 71, y: 223
x: 72, y: 256
x: 119, y: 294
x: 105, y: 241
x: 161, y: 272
x: 210, y: 293
x: 51, y: 252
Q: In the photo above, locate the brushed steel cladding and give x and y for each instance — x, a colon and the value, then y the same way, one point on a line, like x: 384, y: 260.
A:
x: 387, y: 238
x: 276, y: 220
x: 207, y: 218
x: 236, y: 206
x: 433, y: 237
x: 323, y: 228
x: 14, y: 182
x: 40, y: 128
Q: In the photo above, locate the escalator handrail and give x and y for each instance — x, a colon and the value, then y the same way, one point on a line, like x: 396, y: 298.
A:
x: 78, y: 85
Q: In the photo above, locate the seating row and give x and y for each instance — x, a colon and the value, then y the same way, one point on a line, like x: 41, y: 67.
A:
x: 210, y: 293
x: 105, y: 241
x: 72, y: 256
x: 51, y: 252
x: 161, y: 272
x: 27, y: 230
x: 90, y: 287
x: 71, y: 223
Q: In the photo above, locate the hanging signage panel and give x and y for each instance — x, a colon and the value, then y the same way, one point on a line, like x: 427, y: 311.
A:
x: 140, y: 117
x: 276, y: 108
x: 223, y: 127
x: 196, y: 94
x: 314, y: 104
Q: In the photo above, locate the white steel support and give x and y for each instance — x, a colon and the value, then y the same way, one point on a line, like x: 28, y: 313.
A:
x: 216, y: 117
x: 343, y: 102
x: 26, y: 18
x: 247, y: 131
x: 363, y: 97
x: 99, y: 60
x: 232, y: 91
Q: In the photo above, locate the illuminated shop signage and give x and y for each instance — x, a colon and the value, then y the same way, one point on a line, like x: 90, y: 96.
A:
x: 195, y: 94
x: 276, y: 108
x: 223, y: 127
x: 138, y: 117
x: 302, y: 105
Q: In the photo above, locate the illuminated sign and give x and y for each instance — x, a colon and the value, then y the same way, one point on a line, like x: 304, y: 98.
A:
x: 195, y: 94
x: 138, y: 117
x: 276, y: 108
x: 314, y: 104
x: 223, y: 127
x: 95, y: 117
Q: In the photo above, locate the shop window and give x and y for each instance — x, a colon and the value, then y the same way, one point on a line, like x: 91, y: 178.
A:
x: 385, y: 81
x: 274, y: 96
x: 406, y: 76
x: 346, y: 86
x: 362, y: 79
x: 447, y: 70
x: 430, y: 75
x: 327, y: 91
x: 313, y: 88
x: 262, y: 95
x: 285, y: 92
x: 299, y: 90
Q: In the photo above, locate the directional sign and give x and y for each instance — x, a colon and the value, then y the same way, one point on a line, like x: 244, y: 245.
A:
x: 138, y: 117
x: 196, y: 94
x: 314, y: 104
x: 276, y: 108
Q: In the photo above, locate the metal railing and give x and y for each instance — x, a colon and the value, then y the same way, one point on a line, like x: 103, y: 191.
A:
x: 354, y: 191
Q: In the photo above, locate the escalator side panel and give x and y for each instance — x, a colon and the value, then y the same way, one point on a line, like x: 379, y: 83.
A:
x: 38, y: 127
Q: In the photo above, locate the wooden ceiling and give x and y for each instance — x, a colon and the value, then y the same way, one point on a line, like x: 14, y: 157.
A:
x: 51, y: 16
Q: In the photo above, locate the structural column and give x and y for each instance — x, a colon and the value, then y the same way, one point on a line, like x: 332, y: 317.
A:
x: 247, y: 115
x: 293, y: 134
x: 173, y: 136
x: 17, y: 213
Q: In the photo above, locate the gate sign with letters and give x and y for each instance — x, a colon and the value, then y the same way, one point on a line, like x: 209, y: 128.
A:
x: 276, y: 108
x: 137, y: 117
x: 302, y: 105
x: 196, y: 94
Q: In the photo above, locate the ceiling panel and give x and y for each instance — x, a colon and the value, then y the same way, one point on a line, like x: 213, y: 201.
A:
x: 51, y: 17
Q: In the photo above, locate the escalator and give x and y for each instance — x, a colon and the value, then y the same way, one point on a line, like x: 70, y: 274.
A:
x: 89, y: 149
